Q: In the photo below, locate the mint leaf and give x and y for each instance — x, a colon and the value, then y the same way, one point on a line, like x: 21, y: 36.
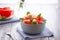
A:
x: 38, y: 15
x: 21, y: 18
x: 22, y: 0
x: 33, y: 22
x: 27, y: 13
x: 21, y: 5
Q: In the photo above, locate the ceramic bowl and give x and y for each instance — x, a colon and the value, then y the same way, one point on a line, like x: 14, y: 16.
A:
x: 32, y: 28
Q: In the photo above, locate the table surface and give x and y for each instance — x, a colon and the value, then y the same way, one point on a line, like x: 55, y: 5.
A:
x: 53, y: 22
x: 10, y: 28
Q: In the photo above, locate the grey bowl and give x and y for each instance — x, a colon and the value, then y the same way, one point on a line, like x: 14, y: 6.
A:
x: 32, y: 28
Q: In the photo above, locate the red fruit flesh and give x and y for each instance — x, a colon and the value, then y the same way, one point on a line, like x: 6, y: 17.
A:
x: 27, y: 21
x: 6, y: 13
x: 39, y: 19
x: 26, y: 18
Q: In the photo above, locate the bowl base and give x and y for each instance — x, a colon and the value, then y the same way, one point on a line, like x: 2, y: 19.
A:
x: 31, y: 34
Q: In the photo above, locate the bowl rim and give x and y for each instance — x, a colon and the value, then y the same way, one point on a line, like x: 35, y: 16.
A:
x: 32, y: 24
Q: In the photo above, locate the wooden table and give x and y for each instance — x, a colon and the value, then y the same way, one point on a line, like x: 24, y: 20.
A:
x: 10, y: 28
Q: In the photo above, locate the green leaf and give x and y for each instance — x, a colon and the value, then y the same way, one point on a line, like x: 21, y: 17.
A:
x: 3, y: 18
x: 38, y: 15
x: 27, y: 13
x: 21, y: 18
x: 21, y: 5
x: 22, y: 0
x: 33, y: 22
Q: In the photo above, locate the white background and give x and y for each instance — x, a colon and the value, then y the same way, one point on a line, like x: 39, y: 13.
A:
x: 31, y: 1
